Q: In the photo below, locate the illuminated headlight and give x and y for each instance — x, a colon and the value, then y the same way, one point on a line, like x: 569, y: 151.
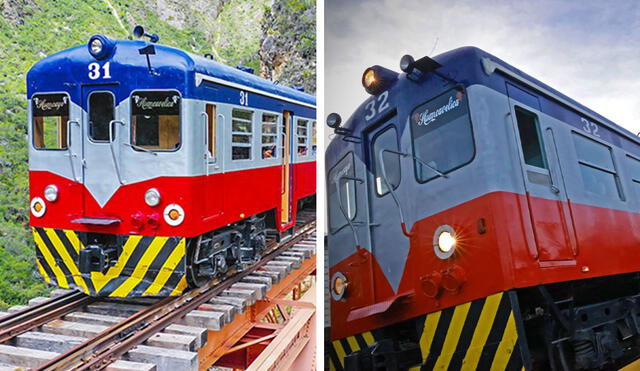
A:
x: 444, y: 241
x: 369, y: 78
x: 173, y: 215
x: 38, y: 207
x: 96, y: 46
x: 338, y: 286
x: 51, y: 193
x: 152, y: 197
x: 377, y: 79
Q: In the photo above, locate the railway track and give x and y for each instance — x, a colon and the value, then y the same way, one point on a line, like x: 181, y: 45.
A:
x: 74, y: 331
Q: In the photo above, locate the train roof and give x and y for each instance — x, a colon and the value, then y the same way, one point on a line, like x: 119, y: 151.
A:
x: 470, y: 65
x: 175, y: 67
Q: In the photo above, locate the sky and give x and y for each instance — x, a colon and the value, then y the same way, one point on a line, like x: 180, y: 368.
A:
x: 588, y: 50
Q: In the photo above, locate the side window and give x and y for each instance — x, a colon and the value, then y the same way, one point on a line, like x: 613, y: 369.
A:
x: 441, y: 134
x: 303, y: 136
x: 241, y: 134
x: 211, y: 130
x: 50, y: 121
x: 596, y: 167
x: 269, y: 142
x: 387, y: 139
x: 529, y: 131
x: 341, y: 192
x: 155, y: 120
x: 101, y: 113
x: 314, y: 138
x: 634, y: 170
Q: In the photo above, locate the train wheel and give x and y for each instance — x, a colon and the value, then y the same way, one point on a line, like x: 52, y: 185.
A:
x: 199, y: 269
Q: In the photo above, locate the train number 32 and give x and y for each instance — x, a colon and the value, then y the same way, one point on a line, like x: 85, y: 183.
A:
x: 94, y: 71
x: 589, y: 127
x: 371, y: 108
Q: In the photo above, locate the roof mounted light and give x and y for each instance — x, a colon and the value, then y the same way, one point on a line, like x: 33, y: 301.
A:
x: 334, y: 120
x: 100, y: 46
x: 377, y: 79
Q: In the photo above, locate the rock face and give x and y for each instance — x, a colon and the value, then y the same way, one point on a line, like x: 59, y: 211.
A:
x: 14, y: 11
x: 288, y: 44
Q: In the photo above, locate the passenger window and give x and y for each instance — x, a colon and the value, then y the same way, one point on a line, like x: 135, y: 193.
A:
x: 101, y: 113
x: 341, y: 191
x: 634, y: 169
x: 302, y: 131
x: 385, y: 140
x: 442, y: 135
x: 269, y: 136
x: 241, y: 134
x: 50, y: 121
x: 314, y: 138
x: 211, y: 129
x: 530, y: 140
x: 155, y: 120
x: 596, y: 167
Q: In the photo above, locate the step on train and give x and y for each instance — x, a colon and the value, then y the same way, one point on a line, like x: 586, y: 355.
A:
x: 479, y: 219
x: 153, y: 170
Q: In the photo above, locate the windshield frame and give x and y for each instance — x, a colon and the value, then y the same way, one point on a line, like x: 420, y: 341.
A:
x: 180, y: 120
x: 32, y: 118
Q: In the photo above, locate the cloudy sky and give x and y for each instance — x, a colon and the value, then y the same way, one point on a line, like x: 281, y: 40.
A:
x: 588, y: 50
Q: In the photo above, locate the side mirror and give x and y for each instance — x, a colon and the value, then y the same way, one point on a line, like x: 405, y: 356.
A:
x: 334, y: 120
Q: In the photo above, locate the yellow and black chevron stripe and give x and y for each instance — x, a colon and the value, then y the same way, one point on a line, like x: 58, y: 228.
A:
x: 147, y: 265
x: 479, y: 335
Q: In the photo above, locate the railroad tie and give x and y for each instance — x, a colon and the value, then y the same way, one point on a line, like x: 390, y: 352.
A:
x: 296, y: 262
x: 200, y: 333
x: 204, y: 318
x: 259, y: 289
x: 164, y: 359
x: 239, y: 303
x: 265, y: 280
x: 228, y: 310
x: 275, y: 276
x: 248, y: 295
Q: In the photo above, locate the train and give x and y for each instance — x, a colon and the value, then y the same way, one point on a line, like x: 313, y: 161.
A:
x: 479, y: 219
x: 153, y: 170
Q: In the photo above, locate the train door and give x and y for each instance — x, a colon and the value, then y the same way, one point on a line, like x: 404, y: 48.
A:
x: 545, y: 192
x: 213, y: 182
x: 385, y: 224
x: 101, y: 172
x: 286, y: 192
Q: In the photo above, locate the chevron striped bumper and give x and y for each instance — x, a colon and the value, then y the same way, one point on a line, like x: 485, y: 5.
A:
x: 479, y: 335
x: 145, y: 266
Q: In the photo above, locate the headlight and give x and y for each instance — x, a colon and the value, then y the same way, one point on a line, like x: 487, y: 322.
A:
x: 38, y: 207
x: 96, y: 46
x: 51, y: 193
x: 444, y: 241
x: 338, y: 286
x: 173, y: 215
x: 152, y: 197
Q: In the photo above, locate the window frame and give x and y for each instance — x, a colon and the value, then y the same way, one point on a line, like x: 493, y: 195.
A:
x: 413, y: 147
x: 355, y: 194
x: 634, y: 181
x: 89, y: 114
x: 32, y: 123
x: 275, y: 135
x: 374, y: 160
x: 250, y: 144
x: 615, y: 172
x: 180, y: 120
x: 543, y: 150
x: 306, y: 137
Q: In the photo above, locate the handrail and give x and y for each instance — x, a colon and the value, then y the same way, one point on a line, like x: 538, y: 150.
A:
x: 113, y: 154
x: 391, y: 190
x: 71, y: 154
x: 344, y: 213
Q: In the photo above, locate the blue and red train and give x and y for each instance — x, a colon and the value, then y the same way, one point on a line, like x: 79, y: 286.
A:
x: 480, y: 219
x: 152, y: 169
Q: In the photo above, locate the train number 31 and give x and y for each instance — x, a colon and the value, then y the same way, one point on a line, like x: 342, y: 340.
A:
x: 94, y: 71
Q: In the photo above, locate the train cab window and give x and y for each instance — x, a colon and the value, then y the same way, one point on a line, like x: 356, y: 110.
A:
x: 596, y: 167
x: 241, y: 134
x: 155, y: 120
x: 211, y: 130
x: 634, y: 170
x: 302, y: 132
x: 269, y: 136
x: 385, y: 140
x: 50, y: 121
x: 341, y: 192
x: 101, y: 113
x: 442, y: 135
x: 314, y: 138
x: 530, y: 140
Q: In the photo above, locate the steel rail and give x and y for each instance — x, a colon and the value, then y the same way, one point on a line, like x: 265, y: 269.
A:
x: 32, y: 317
x: 107, y: 346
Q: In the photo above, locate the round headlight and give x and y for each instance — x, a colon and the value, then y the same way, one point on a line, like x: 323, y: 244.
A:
x: 51, y: 193
x: 38, y: 207
x: 369, y: 78
x: 173, y: 214
x: 152, y: 197
x: 96, y: 46
x: 338, y: 286
x: 444, y: 241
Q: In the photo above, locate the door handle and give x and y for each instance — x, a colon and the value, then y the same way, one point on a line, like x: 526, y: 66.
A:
x: 555, y: 189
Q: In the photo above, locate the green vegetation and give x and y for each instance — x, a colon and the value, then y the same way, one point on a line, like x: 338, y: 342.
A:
x: 30, y: 30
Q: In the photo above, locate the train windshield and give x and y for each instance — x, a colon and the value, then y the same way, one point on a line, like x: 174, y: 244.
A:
x: 155, y: 120
x: 442, y: 134
x: 50, y: 121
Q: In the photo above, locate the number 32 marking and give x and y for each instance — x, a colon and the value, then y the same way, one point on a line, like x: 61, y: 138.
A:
x: 372, y: 111
x: 94, y: 71
x: 589, y: 127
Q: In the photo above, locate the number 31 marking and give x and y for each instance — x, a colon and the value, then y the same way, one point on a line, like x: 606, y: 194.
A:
x: 382, y: 105
x: 94, y: 71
